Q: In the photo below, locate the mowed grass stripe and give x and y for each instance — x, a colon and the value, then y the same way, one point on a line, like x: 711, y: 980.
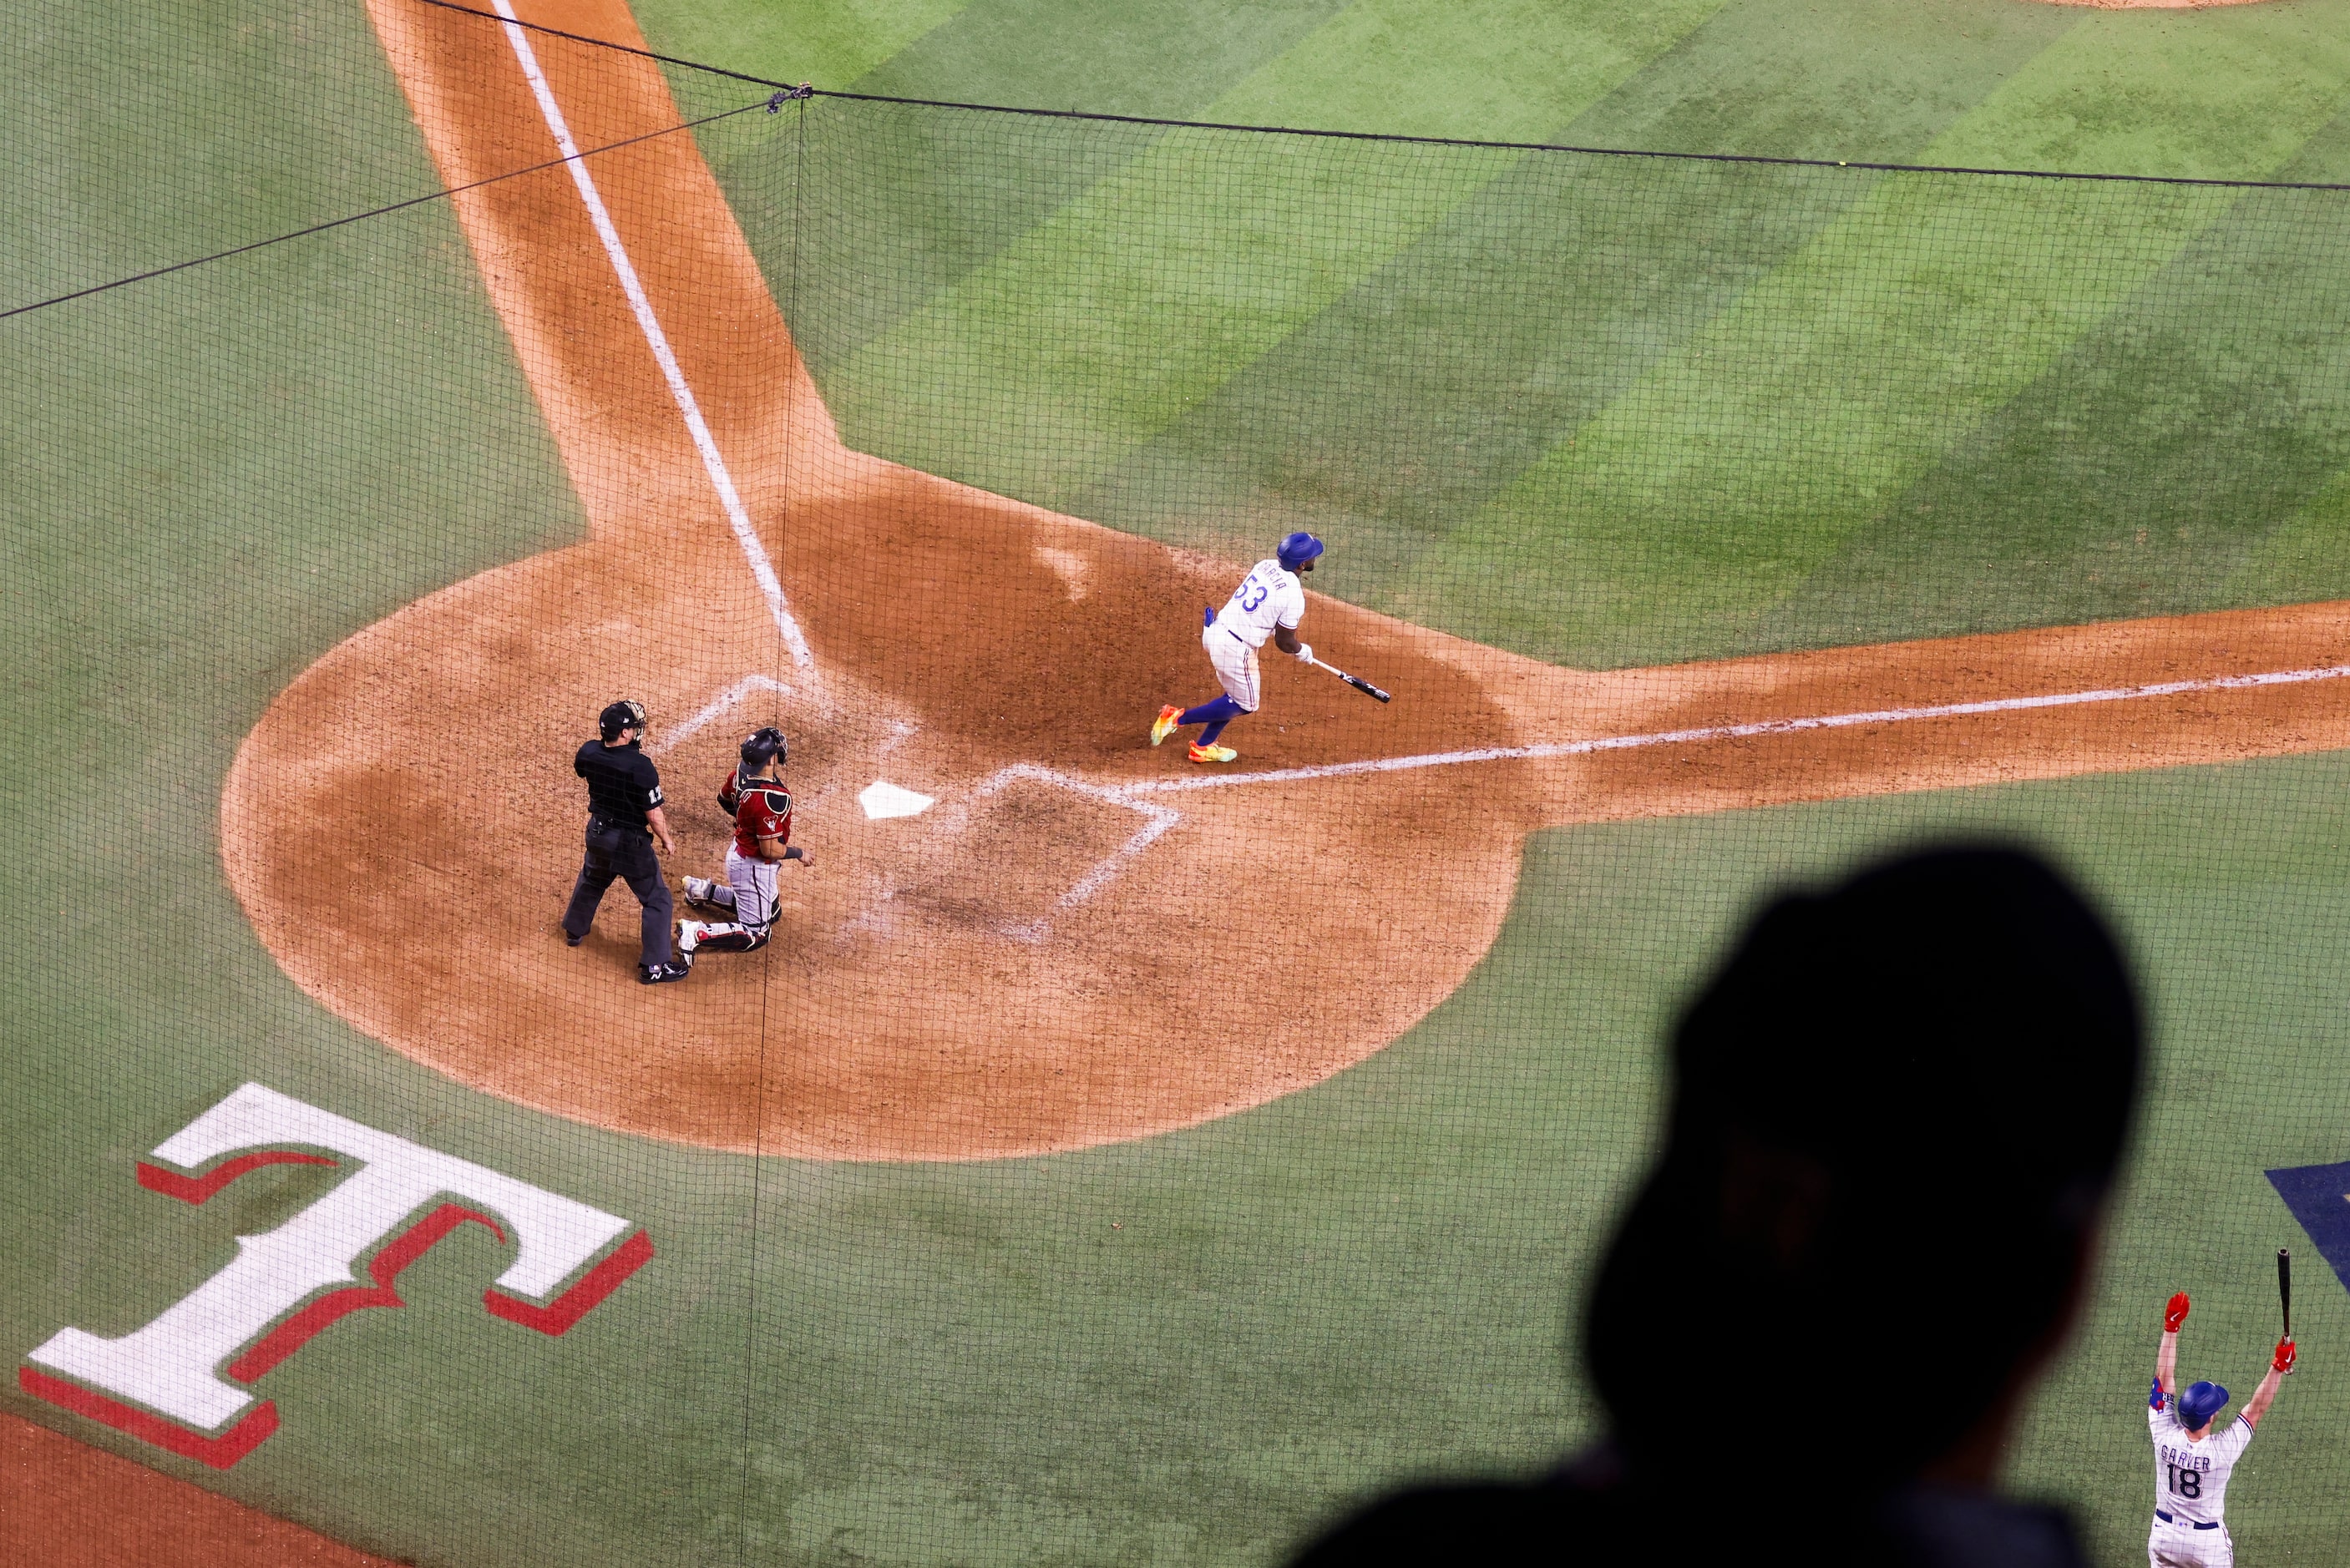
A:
x: 2152, y: 459
x: 831, y: 43
x: 1130, y: 305
x: 1395, y: 414
x: 2306, y: 556
x: 883, y: 209
x: 1743, y: 462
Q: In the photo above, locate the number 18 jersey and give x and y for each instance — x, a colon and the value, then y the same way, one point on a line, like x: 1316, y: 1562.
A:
x: 2190, y: 1480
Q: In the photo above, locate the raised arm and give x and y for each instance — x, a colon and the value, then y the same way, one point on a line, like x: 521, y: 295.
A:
x: 2265, y: 1395
x: 2166, y: 1360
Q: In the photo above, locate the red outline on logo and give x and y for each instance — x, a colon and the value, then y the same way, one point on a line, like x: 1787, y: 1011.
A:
x: 257, y: 1425
x: 197, y: 1188
x: 557, y: 1315
x: 250, y: 1431
x: 340, y: 1303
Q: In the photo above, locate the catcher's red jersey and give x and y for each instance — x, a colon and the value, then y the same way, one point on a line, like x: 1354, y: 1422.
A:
x: 764, y: 810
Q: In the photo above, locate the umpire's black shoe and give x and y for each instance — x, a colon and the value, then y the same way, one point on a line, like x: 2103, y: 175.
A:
x: 668, y: 972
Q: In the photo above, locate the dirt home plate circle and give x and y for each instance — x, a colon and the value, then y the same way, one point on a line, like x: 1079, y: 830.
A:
x: 1026, y: 929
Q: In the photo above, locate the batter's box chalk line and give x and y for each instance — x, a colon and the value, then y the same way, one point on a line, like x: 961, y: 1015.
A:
x: 1159, y: 819
x: 724, y: 702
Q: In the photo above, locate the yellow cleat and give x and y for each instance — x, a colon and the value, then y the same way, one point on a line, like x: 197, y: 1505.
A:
x: 1164, y: 725
x: 1214, y: 754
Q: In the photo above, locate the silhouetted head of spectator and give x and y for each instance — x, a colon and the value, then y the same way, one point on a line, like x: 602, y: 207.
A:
x: 1897, y: 1111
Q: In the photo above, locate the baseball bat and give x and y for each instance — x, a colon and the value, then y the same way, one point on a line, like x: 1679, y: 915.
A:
x: 2284, y: 1287
x: 1357, y: 682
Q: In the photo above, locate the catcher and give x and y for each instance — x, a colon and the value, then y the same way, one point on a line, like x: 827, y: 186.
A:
x: 754, y: 797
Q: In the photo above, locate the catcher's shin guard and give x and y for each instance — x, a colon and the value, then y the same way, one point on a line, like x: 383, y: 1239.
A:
x: 732, y: 938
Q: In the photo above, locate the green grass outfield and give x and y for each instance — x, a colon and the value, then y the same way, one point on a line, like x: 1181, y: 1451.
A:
x: 1600, y: 411
x: 1184, y: 1349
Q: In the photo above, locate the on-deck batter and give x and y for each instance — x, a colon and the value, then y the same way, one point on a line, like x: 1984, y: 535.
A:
x: 2192, y: 1463
x: 1270, y: 602
x: 755, y: 795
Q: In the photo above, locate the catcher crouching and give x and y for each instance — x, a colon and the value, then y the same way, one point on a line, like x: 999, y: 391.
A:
x: 754, y: 797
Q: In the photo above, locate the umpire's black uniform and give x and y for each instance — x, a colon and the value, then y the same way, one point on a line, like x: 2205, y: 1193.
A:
x: 623, y: 789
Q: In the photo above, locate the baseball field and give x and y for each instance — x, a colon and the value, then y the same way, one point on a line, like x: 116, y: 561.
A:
x: 1111, y: 1159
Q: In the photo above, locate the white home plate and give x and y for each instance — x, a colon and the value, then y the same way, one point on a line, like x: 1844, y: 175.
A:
x: 882, y: 798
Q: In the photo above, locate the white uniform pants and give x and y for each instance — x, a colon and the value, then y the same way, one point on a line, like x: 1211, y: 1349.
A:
x: 750, y: 892
x: 2182, y: 1545
x: 1235, y: 663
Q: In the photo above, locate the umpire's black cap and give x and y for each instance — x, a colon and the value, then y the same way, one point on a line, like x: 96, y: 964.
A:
x: 624, y: 714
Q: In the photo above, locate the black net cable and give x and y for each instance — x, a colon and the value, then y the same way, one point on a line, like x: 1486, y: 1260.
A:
x: 789, y: 91
x: 770, y: 104
x: 804, y: 89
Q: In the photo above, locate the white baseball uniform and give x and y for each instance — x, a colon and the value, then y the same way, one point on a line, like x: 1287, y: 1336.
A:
x: 1269, y: 596
x: 2190, y: 1490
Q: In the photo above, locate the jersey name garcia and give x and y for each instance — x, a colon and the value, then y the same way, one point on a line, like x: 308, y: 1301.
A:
x: 1267, y: 598
x: 762, y: 810
x: 2190, y: 1480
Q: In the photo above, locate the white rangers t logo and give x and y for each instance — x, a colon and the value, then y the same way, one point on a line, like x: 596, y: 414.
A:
x: 176, y: 1382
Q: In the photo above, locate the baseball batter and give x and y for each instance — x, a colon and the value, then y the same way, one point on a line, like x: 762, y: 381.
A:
x: 1270, y: 602
x: 2192, y: 1463
x: 754, y: 797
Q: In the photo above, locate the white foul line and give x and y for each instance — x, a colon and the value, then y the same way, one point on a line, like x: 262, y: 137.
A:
x: 1757, y: 727
x: 770, y: 587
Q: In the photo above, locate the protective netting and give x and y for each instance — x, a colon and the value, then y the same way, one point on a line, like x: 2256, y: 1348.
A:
x: 1109, y: 1158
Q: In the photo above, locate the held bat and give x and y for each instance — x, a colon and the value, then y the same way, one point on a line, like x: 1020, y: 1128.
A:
x: 2284, y: 1287
x: 1359, y: 684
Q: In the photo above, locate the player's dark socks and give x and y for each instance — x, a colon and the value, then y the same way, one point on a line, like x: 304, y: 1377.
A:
x: 1208, y: 737
x: 1223, y: 711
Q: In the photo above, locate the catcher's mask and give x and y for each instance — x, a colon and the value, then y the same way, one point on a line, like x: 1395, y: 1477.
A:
x: 764, y: 746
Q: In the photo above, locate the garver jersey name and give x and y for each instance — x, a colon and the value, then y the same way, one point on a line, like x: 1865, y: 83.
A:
x: 2190, y: 1480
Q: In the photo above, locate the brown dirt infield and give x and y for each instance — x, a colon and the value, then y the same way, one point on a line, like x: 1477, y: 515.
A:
x: 65, y: 1505
x: 928, y: 996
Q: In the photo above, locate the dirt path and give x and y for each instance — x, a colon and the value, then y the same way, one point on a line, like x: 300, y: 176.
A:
x: 993, y: 977
x: 65, y: 1505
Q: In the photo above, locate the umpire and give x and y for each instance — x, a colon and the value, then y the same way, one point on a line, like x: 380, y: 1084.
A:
x: 624, y: 819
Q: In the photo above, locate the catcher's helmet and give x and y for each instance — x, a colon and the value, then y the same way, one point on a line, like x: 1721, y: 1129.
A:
x: 2200, y: 1404
x: 764, y: 746
x: 1296, y: 550
x: 621, y: 715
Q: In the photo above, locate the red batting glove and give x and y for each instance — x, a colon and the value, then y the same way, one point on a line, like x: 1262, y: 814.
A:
x: 2286, y: 1352
x: 2175, y: 1314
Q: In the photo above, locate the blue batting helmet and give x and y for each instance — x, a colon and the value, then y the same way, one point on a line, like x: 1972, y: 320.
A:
x: 1296, y: 550
x: 2200, y: 1404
